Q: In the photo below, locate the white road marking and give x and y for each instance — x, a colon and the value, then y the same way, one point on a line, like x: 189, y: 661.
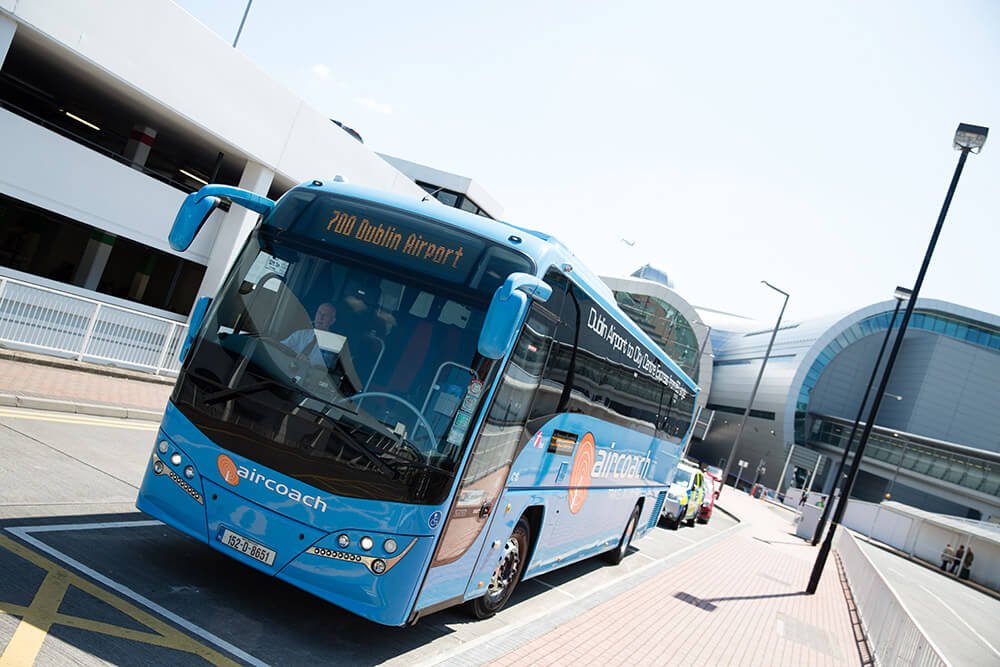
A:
x: 538, y: 580
x: 68, y: 527
x: 23, y: 533
x: 959, y: 617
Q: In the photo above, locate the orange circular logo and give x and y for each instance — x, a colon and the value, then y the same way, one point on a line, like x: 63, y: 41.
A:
x: 228, y: 470
x: 579, y: 476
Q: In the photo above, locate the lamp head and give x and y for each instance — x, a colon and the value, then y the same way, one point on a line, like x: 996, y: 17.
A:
x: 970, y: 137
x: 902, y: 293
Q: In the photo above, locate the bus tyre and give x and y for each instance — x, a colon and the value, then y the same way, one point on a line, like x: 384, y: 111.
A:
x: 615, y: 556
x: 513, y: 558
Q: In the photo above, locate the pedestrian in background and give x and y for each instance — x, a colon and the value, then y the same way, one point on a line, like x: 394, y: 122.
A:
x: 947, y: 556
x: 966, y: 564
x: 958, y: 558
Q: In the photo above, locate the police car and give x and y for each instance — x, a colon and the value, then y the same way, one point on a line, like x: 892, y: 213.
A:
x: 684, y: 497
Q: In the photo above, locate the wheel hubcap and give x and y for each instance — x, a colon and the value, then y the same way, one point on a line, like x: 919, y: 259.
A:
x: 510, y: 561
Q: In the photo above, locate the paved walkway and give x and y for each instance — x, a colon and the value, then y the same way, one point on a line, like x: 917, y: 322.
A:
x: 78, y: 386
x: 739, y: 603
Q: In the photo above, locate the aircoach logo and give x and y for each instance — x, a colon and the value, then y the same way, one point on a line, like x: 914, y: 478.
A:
x: 579, y: 477
x: 228, y: 470
x: 232, y: 474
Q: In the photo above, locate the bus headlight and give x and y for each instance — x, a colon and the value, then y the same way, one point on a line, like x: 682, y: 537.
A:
x: 367, y: 543
x: 390, y: 546
x: 189, y: 472
x: 175, y: 458
x: 158, y: 467
x: 378, y: 566
x: 343, y: 541
x: 163, y: 446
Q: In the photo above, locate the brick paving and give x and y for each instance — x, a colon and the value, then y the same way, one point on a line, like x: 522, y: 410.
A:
x: 24, y: 376
x: 739, y: 603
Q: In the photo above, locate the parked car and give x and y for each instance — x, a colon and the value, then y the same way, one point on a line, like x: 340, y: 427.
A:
x: 716, y: 474
x: 708, y: 499
x: 683, y: 501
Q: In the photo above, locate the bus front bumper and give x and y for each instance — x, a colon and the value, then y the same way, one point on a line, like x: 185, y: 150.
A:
x: 375, y: 583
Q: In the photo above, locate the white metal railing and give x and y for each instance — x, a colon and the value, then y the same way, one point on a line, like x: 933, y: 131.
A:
x: 56, y: 322
x: 895, y: 637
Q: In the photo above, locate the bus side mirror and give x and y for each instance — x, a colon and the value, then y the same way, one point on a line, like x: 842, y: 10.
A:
x: 507, y: 308
x: 197, y: 315
x: 197, y: 206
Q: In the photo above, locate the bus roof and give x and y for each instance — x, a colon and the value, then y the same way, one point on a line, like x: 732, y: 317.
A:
x: 544, y: 249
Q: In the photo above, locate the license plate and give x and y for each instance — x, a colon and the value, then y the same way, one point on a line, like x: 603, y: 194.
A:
x: 246, y: 547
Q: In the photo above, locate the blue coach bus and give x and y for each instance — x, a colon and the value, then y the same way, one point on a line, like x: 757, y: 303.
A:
x: 399, y: 407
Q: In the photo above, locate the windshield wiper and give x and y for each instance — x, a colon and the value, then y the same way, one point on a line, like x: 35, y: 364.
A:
x: 228, y: 394
x: 324, y: 421
x: 343, y: 435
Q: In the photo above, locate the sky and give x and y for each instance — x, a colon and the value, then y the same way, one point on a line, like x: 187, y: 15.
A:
x: 803, y: 143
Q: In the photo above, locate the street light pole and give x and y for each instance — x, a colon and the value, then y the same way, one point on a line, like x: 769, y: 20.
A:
x: 753, y: 393
x: 239, y: 31
x: 888, y: 492
x: 968, y: 139
x: 901, y: 294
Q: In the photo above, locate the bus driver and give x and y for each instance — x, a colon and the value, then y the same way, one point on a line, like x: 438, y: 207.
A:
x: 304, y: 341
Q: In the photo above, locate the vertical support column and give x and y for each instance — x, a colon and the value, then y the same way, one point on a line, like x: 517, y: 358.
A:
x: 234, y: 227
x: 140, y: 142
x: 784, y: 469
x: 140, y: 281
x: 94, y: 259
x: 7, y: 30
x: 809, y: 486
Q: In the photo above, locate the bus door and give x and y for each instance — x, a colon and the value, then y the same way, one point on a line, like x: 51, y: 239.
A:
x: 462, y: 550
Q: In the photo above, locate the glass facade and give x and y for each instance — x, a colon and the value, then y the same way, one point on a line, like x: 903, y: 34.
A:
x: 453, y: 199
x: 666, y: 326
x: 934, y: 321
x: 972, y: 472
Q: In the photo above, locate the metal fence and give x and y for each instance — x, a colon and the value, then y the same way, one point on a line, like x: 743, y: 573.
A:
x: 894, y: 636
x: 54, y: 322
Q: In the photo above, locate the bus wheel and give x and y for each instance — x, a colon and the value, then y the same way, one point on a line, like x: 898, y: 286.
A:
x: 508, y: 572
x: 615, y: 555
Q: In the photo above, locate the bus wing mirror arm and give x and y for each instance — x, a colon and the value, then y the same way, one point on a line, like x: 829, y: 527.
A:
x: 534, y: 287
x: 197, y: 206
x: 507, y: 310
x: 194, y: 323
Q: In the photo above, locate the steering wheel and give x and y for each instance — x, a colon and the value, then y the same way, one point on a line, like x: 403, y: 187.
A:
x: 381, y: 394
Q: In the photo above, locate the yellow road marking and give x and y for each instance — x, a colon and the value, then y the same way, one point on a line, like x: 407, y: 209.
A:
x: 43, y: 613
x: 69, y: 418
x: 27, y: 641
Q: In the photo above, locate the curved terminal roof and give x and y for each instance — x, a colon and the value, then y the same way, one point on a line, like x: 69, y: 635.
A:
x: 944, y: 385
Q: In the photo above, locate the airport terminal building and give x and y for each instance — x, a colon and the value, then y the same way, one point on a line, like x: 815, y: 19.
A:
x: 936, y: 441
x: 935, y: 444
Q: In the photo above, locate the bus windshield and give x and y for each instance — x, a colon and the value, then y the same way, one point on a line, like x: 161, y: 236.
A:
x: 333, y: 358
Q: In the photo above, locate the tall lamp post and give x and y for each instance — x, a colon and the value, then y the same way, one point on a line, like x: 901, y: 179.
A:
x: 901, y: 294
x: 239, y: 31
x: 753, y: 393
x: 968, y: 139
x: 696, y: 370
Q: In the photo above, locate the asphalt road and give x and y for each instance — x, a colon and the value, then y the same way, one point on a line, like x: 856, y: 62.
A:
x: 960, y: 621
x: 96, y: 581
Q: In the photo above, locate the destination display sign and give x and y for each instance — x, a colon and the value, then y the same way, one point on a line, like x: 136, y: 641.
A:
x: 392, y: 236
